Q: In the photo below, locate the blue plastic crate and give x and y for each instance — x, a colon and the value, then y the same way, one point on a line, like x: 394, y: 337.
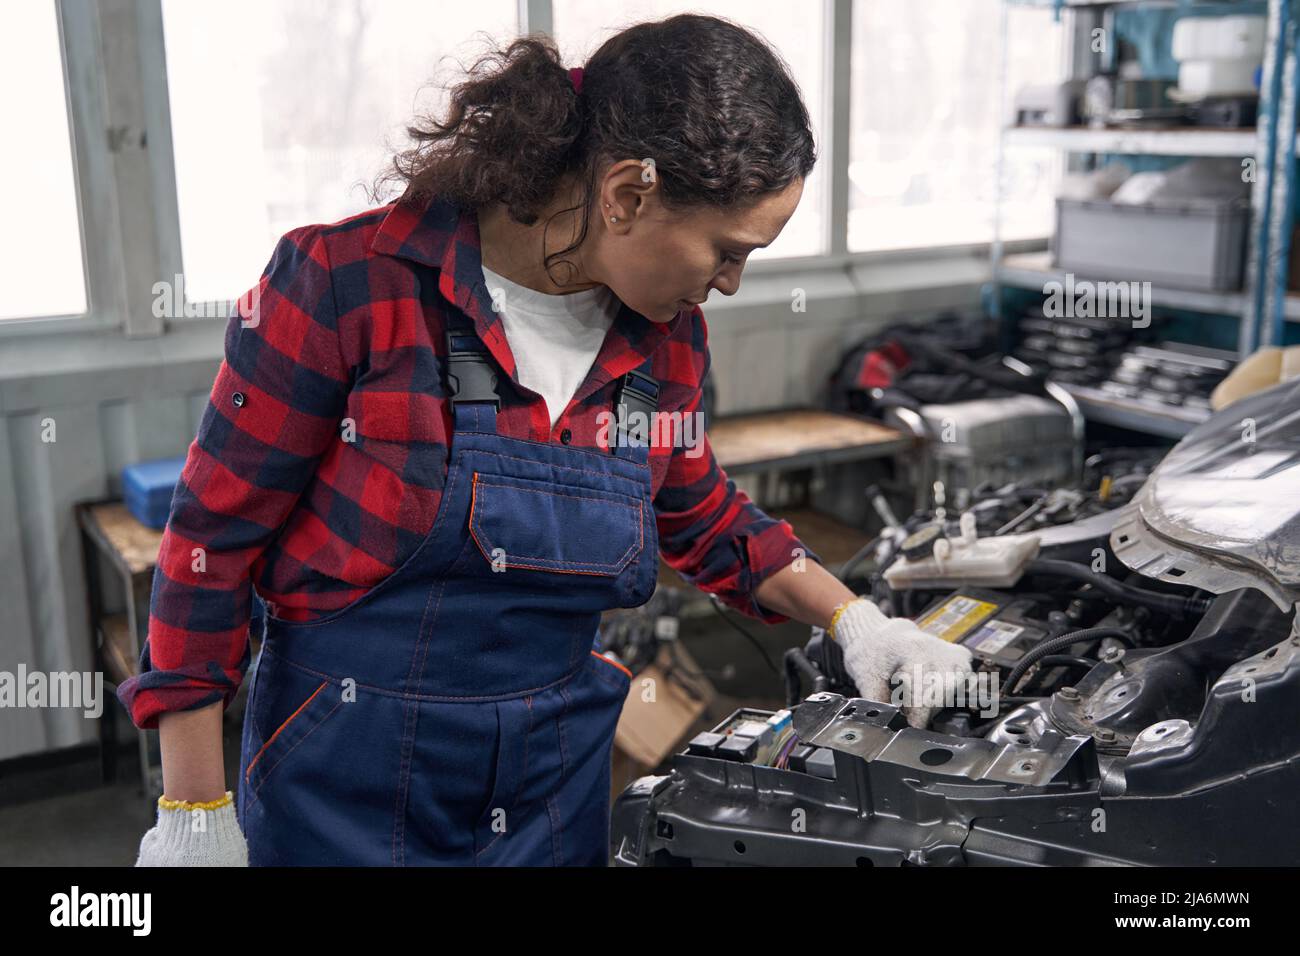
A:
x: 147, y: 487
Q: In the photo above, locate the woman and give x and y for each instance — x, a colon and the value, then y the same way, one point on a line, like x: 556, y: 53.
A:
x: 408, y: 449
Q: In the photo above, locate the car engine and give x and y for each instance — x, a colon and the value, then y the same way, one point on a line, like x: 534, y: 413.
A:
x: 1135, y: 700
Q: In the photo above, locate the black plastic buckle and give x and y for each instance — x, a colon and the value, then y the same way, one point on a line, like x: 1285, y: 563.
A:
x: 471, y: 376
x: 637, y: 392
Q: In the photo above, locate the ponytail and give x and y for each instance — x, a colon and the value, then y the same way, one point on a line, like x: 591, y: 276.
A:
x: 708, y: 101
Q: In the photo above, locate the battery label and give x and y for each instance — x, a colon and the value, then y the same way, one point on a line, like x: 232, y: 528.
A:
x: 955, y: 617
x: 993, y: 636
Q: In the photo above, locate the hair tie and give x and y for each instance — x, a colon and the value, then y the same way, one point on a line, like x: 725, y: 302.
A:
x: 575, y: 77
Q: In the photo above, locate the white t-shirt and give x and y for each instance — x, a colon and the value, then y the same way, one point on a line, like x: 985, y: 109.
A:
x: 554, y: 338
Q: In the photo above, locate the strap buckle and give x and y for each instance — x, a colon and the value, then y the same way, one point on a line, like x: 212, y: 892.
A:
x: 635, y: 403
x: 471, y: 376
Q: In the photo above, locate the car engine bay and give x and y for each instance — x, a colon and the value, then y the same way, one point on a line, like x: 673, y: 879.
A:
x: 1135, y: 695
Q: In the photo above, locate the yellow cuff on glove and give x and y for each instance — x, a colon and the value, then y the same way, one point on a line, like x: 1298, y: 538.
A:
x: 165, y: 803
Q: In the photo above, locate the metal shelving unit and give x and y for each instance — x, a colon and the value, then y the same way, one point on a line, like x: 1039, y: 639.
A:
x: 1188, y: 141
x: 1263, y: 305
x: 1097, y: 406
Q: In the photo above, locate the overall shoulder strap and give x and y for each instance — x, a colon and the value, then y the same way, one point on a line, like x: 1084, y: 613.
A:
x: 471, y: 378
x: 635, y: 402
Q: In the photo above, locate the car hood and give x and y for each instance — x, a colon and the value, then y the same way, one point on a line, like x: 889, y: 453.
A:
x: 1222, y: 510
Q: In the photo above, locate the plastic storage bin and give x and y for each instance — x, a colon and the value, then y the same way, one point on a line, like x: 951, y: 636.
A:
x: 1189, y: 245
x: 147, y: 488
x: 1219, y: 38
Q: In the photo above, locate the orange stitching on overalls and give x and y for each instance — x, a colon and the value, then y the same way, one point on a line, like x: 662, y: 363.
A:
x: 288, y: 720
x: 284, y: 756
x: 602, y: 657
x: 615, y: 565
x: 473, y: 498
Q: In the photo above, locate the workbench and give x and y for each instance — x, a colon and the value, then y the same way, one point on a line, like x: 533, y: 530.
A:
x: 109, y: 531
x: 800, y: 438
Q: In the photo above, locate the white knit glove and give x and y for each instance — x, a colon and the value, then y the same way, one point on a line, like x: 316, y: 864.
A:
x: 190, y: 835
x: 878, y: 648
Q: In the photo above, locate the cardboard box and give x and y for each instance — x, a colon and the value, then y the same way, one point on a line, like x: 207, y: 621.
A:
x: 664, y: 706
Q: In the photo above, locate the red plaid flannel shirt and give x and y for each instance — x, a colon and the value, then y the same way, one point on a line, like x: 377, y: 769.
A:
x: 348, y: 333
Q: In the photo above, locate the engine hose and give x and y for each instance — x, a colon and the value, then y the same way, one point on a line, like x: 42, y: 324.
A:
x: 1171, y: 604
x: 1065, y: 660
x: 851, y: 565
x: 797, y: 669
x: 1054, y: 644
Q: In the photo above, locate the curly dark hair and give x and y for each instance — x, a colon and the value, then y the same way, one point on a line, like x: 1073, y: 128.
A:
x: 710, y: 102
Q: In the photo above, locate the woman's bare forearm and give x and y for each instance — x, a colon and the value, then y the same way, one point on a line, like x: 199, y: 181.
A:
x: 807, y: 593
x: 193, y: 762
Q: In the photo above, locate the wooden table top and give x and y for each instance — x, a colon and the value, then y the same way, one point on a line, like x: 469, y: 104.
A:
x: 132, y: 544
x: 801, y: 436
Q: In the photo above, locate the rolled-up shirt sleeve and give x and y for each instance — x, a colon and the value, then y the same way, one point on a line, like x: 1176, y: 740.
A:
x: 712, y: 533
x: 274, y: 409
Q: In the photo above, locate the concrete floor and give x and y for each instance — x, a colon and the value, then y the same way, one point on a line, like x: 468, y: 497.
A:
x: 83, y: 824
x: 99, y: 827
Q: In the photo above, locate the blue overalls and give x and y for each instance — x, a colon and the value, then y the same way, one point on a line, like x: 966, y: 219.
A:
x: 459, y: 712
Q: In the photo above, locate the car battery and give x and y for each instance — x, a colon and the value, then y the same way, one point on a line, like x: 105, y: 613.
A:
x: 147, y: 488
x: 992, y: 625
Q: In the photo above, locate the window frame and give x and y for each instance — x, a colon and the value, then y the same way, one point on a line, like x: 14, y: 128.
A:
x: 115, y: 73
x: 92, y: 180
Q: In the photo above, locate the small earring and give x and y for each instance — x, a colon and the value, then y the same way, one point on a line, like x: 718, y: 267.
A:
x: 613, y: 218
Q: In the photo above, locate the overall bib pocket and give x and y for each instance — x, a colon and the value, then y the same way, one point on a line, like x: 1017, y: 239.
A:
x: 543, y: 526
